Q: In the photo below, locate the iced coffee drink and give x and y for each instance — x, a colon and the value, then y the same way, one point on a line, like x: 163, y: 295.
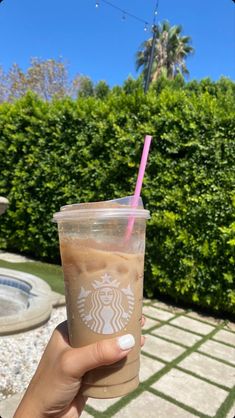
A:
x: 103, y: 275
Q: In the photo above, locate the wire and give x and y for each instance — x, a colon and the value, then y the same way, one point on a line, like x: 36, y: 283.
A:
x: 124, y: 12
x: 155, y: 12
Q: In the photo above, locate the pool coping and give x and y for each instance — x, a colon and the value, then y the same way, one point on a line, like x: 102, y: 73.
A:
x: 40, y: 306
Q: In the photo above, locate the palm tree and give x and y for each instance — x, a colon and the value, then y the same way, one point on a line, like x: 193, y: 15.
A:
x: 170, y: 51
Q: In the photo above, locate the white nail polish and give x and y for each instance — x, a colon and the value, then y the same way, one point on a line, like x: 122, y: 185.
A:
x: 126, y: 342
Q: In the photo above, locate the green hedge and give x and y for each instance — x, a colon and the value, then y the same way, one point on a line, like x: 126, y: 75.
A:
x: 68, y: 151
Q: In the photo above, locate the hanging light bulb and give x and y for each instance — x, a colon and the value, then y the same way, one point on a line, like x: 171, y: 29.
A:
x: 123, y: 15
x: 97, y: 3
x: 146, y: 27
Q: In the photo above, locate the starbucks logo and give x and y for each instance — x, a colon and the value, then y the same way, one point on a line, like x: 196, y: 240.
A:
x: 106, y: 308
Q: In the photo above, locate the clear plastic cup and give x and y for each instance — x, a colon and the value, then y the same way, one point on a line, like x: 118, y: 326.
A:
x: 103, y: 275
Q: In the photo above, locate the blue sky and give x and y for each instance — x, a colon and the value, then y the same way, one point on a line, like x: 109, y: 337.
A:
x: 100, y: 44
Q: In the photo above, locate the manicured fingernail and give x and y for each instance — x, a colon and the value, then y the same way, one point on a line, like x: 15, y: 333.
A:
x: 126, y: 342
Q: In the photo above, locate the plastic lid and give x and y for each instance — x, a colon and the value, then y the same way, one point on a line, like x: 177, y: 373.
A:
x: 118, y: 208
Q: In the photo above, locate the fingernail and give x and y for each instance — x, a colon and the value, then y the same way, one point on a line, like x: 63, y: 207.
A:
x: 126, y: 341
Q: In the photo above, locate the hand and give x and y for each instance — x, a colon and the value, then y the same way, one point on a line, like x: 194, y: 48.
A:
x: 54, y: 389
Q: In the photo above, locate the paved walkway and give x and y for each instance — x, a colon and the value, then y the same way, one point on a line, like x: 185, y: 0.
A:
x: 187, y: 370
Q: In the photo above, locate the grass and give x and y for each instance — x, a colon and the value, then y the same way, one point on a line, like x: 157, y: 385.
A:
x: 51, y: 273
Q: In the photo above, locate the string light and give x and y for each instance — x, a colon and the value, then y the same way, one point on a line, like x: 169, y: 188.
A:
x: 126, y: 14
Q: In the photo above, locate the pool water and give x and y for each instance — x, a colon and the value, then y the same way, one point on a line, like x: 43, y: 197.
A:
x: 9, y: 307
x: 14, y: 296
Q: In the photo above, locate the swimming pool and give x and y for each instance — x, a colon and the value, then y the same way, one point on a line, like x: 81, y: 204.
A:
x: 25, y: 301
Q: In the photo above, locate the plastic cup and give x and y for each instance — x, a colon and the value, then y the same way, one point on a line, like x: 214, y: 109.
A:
x: 103, y: 275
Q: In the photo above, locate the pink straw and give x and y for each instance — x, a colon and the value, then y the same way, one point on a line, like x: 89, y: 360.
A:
x: 139, y: 183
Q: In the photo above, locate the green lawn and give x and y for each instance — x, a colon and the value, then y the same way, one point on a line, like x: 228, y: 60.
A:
x: 51, y: 273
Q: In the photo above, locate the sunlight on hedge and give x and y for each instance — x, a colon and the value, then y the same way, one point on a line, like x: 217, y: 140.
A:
x: 61, y: 152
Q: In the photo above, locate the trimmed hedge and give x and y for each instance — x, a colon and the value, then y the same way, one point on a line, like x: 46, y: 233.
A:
x: 68, y: 151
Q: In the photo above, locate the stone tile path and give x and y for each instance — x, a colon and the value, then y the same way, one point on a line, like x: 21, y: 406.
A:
x: 187, y: 369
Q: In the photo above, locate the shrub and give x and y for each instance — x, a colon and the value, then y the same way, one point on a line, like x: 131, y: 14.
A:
x: 65, y: 151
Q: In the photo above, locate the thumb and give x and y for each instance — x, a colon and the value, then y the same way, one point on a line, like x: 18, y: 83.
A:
x: 101, y: 353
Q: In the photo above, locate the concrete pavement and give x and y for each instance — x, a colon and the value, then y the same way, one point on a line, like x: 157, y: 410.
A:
x: 187, y: 370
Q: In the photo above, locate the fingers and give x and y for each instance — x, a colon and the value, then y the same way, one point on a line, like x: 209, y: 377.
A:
x: 78, y: 361
x: 142, y: 341
x: 62, y: 329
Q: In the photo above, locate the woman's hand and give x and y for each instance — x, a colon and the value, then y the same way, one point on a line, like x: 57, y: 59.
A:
x: 54, y: 389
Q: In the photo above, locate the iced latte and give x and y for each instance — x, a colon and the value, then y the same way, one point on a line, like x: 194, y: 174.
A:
x: 103, y: 273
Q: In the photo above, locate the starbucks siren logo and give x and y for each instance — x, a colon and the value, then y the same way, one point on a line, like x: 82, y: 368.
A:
x: 108, y: 308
